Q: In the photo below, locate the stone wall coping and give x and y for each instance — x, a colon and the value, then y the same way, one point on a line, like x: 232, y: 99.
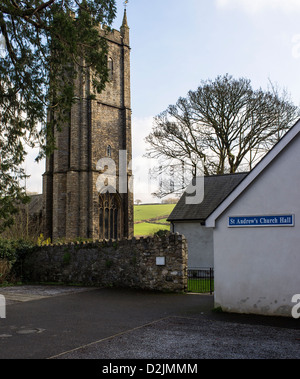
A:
x: 171, y: 237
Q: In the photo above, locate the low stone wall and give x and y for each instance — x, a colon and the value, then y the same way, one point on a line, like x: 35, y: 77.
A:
x: 123, y: 263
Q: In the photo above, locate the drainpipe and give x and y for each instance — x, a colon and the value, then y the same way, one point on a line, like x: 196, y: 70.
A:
x: 173, y: 227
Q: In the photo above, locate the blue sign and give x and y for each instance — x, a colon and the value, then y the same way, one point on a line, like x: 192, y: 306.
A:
x: 252, y: 221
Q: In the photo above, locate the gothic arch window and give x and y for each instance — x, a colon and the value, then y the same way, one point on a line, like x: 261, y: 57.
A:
x: 110, y: 64
x: 108, y: 151
x: 109, y: 216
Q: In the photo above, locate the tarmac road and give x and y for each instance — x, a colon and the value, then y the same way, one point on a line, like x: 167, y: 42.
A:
x: 53, y: 322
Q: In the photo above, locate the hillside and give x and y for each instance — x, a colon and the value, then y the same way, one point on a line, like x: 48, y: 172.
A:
x: 150, y: 218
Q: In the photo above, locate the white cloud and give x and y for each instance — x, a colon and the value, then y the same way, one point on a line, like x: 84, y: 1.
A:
x: 141, y: 127
x: 143, y: 185
x: 255, y: 6
x: 35, y: 170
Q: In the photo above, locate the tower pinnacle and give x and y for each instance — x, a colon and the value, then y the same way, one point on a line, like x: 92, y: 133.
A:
x: 125, y: 28
x: 125, y: 23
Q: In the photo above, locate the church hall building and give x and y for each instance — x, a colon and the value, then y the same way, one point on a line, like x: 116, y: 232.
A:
x: 256, y: 236
x: 73, y: 204
x: 247, y: 228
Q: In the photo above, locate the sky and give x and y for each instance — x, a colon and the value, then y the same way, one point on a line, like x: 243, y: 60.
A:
x: 176, y: 45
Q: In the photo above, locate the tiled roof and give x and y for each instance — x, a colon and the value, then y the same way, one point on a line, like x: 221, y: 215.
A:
x: 216, y: 189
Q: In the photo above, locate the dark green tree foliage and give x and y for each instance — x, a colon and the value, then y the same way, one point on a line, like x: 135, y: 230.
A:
x: 43, y: 45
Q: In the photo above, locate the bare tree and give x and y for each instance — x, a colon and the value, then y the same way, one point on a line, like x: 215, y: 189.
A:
x: 223, y: 127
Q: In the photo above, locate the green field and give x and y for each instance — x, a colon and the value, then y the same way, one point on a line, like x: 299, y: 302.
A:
x: 154, y: 217
x: 150, y: 211
x: 147, y: 229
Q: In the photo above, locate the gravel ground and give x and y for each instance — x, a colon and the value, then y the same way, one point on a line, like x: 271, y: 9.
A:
x: 195, y: 338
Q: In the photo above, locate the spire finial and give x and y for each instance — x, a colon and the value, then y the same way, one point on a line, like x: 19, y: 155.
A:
x: 125, y: 23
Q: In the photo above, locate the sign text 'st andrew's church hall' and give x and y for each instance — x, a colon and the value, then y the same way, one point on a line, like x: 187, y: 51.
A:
x: 98, y: 128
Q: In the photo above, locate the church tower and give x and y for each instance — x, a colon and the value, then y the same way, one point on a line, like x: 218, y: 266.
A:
x: 98, y: 133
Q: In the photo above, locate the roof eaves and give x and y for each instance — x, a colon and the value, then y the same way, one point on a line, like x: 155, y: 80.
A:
x: 201, y: 220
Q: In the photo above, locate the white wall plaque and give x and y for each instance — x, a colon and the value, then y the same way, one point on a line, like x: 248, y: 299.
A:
x: 160, y: 261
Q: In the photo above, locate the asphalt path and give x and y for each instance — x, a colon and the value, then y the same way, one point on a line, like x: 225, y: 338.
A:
x: 53, y: 322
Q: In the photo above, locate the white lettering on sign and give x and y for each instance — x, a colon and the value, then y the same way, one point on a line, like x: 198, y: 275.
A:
x: 252, y: 221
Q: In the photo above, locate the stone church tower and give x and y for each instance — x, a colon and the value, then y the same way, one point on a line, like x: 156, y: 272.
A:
x: 74, y: 205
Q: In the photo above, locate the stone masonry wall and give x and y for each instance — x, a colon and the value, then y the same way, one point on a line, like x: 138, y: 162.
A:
x: 129, y: 263
x: 71, y: 198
